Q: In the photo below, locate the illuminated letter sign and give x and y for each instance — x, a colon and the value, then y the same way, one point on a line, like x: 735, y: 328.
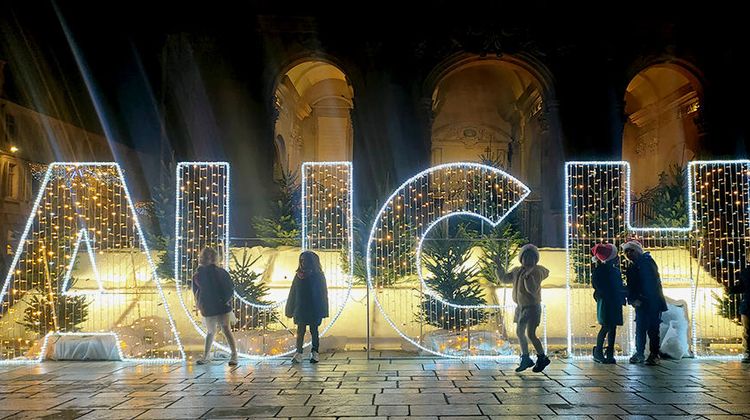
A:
x: 202, y: 220
x: 698, y: 256
x: 48, y: 292
x: 395, y: 246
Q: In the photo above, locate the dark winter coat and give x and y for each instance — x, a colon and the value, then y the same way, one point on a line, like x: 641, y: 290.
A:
x: 644, y: 284
x: 743, y: 288
x: 608, y: 293
x: 213, y: 290
x: 308, y: 299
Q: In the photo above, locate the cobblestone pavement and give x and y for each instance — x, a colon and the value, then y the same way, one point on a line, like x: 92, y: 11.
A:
x: 347, y: 385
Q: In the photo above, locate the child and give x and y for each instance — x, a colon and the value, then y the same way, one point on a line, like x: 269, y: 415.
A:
x: 646, y: 295
x: 213, y: 290
x: 609, y: 295
x: 527, y: 294
x: 308, y: 302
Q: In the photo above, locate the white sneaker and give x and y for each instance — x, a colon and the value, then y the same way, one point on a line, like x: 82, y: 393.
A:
x: 314, y: 357
x: 297, y: 358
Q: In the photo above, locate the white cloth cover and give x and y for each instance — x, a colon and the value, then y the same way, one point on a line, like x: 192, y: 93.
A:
x: 674, y: 330
x: 84, y: 347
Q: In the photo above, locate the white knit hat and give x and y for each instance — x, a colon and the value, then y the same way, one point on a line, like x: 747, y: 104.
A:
x: 632, y: 244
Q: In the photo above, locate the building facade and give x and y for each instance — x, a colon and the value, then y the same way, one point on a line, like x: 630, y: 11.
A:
x: 524, y: 96
x: 29, y: 141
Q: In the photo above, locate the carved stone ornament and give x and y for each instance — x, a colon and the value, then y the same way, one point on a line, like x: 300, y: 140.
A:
x: 646, y: 143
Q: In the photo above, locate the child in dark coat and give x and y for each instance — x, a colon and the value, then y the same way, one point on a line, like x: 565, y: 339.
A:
x: 647, y: 297
x: 308, y: 302
x: 609, y: 295
x: 213, y: 290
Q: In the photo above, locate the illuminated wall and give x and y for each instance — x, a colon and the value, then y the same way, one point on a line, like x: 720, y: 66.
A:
x: 83, y: 217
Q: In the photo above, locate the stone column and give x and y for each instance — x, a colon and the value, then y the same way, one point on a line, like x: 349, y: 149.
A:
x: 553, y: 172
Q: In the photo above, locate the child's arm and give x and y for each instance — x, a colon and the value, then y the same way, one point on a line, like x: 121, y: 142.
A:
x: 291, y: 299
x: 533, y: 282
x: 228, y: 286
x: 194, y: 284
x: 503, y: 276
x: 324, y: 287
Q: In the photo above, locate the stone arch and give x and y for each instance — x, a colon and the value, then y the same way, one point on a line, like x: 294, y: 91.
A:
x: 313, y: 99
x: 662, y: 114
x: 502, y: 111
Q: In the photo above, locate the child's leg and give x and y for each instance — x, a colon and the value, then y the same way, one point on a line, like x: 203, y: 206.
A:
x: 315, y: 338
x: 654, y: 343
x: 600, y: 337
x: 641, y: 325
x: 227, y: 330
x: 521, y: 333
x: 209, y: 343
x: 611, y: 335
x: 531, y: 333
x: 300, y: 337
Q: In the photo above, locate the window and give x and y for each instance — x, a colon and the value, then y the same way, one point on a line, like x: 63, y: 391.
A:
x: 11, y: 181
x: 11, y: 130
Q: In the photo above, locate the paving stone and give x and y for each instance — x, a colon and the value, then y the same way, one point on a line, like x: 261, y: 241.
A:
x: 340, y: 399
x: 445, y: 410
x: 410, y: 399
x: 210, y: 401
x: 243, y: 412
x: 651, y: 409
x: 701, y: 408
x: 393, y: 410
x: 515, y: 409
x: 93, y: 402
x: 49, y: 414
x: 295, y: 411
x: 147, y: 403
x: 278, y: 400
x: 112, y: 414
x: 31, y: 404
x: 173, y: 413
x: 735, y: 408
x: 680, y: 398
x: 344, y: 410
x: 586, y: 409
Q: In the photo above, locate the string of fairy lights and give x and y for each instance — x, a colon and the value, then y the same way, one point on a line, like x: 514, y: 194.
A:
x: 394, y: 249
x: 697, y: 262
x: 327, y: 196
x: 48, y: 291
x: 202, y: 220
x: 83, y: 268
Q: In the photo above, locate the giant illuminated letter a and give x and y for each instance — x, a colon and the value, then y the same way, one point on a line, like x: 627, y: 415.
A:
x: 50, y: 291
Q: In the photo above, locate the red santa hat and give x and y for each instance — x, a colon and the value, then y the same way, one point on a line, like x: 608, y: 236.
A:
x: 604, y: 252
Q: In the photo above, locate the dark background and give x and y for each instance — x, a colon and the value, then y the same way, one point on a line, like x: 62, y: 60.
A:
x: 176, y: 81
